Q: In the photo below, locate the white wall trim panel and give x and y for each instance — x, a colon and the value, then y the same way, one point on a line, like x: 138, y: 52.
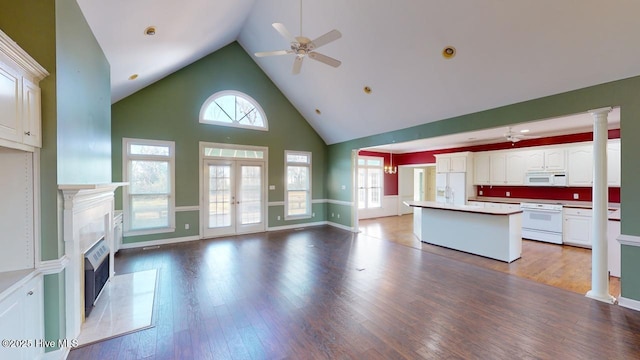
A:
x: 297, y: 226
x: 630, y: 240
x: 389, y: 208
x: 55, y: 266
x: 187, y: 208
x: 142, y: 244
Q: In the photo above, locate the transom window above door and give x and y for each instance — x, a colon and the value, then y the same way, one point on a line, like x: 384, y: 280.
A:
x: 235, y: 109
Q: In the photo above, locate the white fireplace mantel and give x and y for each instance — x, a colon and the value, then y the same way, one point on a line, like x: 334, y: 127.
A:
x: 87, y: 217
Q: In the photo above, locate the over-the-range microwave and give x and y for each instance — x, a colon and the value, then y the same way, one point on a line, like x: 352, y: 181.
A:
x: 546, y: 178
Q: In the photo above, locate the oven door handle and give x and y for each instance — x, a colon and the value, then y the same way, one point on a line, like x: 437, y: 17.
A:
x: 541, y: 210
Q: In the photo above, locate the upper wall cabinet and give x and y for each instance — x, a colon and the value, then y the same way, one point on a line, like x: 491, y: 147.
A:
x: 482, y: 168
x: 580, y: 169
x: 613, y: 162
x: 20, y: 123
x: 454, y: 162
x: 546, y: 160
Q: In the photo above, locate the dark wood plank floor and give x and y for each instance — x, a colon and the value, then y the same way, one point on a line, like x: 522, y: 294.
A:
x: 324, y: 293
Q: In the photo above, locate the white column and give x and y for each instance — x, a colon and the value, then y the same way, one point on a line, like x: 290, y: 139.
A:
x: 599, y: 272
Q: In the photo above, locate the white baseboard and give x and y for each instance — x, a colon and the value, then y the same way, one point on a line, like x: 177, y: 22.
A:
x: 158, y: 242
x: 60, y: 354
x: 629, y: 303
x: 296, y: 226
x: 340, y: 226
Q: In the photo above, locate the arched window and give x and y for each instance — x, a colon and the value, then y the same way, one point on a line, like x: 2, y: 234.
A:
x: 233, y: 108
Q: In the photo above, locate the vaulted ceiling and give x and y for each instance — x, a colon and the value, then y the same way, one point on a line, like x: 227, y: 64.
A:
x: 507, y: 52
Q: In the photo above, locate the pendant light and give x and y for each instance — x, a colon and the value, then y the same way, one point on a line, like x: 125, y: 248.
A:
x: 390, y: 169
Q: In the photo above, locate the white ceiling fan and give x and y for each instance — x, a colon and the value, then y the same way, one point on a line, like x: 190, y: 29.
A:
x: 302, y: 46
x: 514, y: 137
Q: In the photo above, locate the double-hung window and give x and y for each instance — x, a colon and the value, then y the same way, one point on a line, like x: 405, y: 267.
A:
x: 298, y: 191
x: 149, y: 201
x: 370, y: 182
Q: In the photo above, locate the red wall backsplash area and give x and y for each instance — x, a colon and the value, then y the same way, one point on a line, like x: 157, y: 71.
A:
x: 547, y: 193
x: 553, y: 193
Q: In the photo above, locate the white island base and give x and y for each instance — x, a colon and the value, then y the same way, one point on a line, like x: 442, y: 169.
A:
x: 493, y: 233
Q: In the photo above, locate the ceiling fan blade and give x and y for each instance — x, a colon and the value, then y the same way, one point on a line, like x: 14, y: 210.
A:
x: 272, y: 53
x: 326, y: 38
x: 283, y: 31
x: 325, y: 59
x: 297, y: 64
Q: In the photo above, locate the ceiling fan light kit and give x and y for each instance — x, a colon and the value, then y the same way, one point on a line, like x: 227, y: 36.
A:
x: 302, y: 46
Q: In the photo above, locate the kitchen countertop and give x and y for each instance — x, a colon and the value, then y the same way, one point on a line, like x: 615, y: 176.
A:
x: 614, y: 208
x: 462, y: 208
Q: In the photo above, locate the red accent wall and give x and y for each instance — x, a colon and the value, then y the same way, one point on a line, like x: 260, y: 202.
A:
x: 552, y: 193
x: 549, y: 193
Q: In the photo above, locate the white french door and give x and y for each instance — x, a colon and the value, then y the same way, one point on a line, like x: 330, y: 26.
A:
x: 233, y: 197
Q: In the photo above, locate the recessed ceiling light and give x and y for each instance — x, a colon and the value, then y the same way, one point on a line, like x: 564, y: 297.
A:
x: 367, y: 90
x: 524, y: 130
x: 133, y: 77
x: 151, y: 30
x: 449, y: 52
x: 318, y: 111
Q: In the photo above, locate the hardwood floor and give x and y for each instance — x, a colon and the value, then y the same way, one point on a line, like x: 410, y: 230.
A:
x: 563, y: 266
x: 325, y: 293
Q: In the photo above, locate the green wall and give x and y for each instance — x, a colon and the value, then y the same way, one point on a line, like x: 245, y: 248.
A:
x: 623, y: 93
x: 75, y: 119
x: 169, y: 110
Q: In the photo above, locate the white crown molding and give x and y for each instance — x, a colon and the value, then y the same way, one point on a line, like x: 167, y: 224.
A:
x: 13, y: 51
x: 55, y: 266
x: 630, y: 240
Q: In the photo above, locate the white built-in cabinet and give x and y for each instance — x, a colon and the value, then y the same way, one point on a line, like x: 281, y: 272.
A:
x: 20, y: 123
x: 22, y: 320
x: 550, y: 159
x: 577, y: 227
x: 21, y: 289
x: 454, y: 162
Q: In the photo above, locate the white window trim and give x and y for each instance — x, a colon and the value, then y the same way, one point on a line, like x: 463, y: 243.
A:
x: 308, y: 215
x: 253, y: 102
x: 126, y: 157
x: 366, y: 198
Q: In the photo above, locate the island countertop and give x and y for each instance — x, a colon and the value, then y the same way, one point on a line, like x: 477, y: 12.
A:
x: 463, y: 208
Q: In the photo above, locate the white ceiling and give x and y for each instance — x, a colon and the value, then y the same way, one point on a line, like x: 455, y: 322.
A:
x: 507, y: 52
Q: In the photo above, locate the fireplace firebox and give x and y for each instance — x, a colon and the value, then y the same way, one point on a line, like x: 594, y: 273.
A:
x: 96, y: 273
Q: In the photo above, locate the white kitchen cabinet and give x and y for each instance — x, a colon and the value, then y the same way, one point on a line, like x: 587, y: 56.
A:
x: 551, y: 159
x: 454, y: 162
x: 613, y: 253
x: 507, y: 168
x: 20, y: 74
x: 22, y: 318
x: 580, y: 166
x: 481, y: 168
x: 577, y: 227
x: 498, y: 175
x: 613, y: 162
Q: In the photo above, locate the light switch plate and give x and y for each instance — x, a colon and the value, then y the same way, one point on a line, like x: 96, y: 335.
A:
x: 480, y: 192
x: 576, y: 196
x: 272, y: 187
x: 508, y: 193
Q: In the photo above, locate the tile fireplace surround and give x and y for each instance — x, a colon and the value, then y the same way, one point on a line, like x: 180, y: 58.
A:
x: 87, y: 217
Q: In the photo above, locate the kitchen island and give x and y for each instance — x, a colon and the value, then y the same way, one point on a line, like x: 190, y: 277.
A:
x: 493, y: 233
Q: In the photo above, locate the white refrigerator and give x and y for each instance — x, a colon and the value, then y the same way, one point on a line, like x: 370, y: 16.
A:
x: 451, y: 188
